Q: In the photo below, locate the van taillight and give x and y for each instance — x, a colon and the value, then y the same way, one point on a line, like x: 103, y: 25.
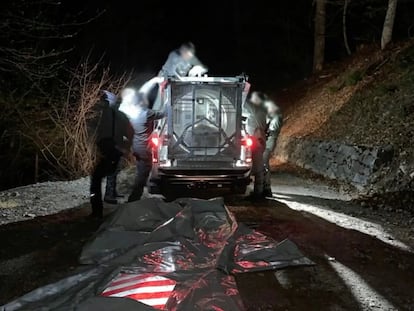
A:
x: 155, y: 141
x: 248, y: 142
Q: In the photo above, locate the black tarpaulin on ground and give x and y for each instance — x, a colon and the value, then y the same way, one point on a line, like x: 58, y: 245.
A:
x: 173, y: 256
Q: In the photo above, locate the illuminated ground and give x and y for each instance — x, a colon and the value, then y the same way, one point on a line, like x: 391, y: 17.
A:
x: 361, y: 263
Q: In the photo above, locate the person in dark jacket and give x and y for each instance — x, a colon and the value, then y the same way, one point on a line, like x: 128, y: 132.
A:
x: 256, y: 127
x: 182, y: 62
x: 113, y: 137
x: 111, y: 194
x: 143, y: 124
x: 274, y: 124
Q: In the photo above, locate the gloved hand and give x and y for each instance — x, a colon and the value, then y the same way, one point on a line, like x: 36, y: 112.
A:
x: 197, y: 71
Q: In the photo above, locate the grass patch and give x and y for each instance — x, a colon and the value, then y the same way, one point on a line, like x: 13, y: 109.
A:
x: 353, y: 78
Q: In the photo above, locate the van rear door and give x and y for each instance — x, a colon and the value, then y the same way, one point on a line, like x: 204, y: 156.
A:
x: 205, y: 122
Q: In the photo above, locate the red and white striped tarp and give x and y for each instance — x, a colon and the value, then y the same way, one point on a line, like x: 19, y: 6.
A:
x: 150, y: 289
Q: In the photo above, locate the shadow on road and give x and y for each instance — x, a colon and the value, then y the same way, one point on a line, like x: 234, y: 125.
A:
x: 354, y: 270
x: 41, y: 250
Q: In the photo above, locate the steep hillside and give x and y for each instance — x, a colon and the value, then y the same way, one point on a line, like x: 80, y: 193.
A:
x: 365, y: 102
x: 310, y: 104
x: 382, y: 111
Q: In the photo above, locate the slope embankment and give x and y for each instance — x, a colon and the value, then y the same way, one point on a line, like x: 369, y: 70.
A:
x: 354, y: 123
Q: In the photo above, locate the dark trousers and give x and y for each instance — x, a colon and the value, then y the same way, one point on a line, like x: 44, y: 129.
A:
x: 144, y: 165
x: 258, y: 166
x: 110, y: 188
x: 107, y: 164
x: 267, y: 174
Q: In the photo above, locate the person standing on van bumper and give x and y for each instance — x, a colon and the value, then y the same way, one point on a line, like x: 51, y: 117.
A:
x: 180, y: 62
x: 274, y: 125
x: 143, y: 125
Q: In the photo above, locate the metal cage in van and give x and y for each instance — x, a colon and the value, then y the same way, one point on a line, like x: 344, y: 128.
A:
x: 201, y: 143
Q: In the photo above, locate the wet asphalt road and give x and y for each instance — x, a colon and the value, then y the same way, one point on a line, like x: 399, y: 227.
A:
x: 353, y: 271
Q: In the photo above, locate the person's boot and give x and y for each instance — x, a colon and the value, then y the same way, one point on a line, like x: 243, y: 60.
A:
x: 133, y: 198
x: 97, y: 207
x: 267, y: 192
x: 110, y: 190
x: 255, y: 197
x: 110, y: 200
x: 116, y: 194
x: 136, y: 194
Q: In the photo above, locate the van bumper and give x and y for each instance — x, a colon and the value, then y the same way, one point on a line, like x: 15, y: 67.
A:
x: 186, y: 179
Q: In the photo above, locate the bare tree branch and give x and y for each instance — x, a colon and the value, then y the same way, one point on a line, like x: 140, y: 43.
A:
x: 66, y: 144
x: 26, y: 28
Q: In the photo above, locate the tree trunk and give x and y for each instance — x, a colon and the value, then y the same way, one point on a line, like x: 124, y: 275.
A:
x: 388, y: 24
x: 319, y: 47
x: 346, y: 3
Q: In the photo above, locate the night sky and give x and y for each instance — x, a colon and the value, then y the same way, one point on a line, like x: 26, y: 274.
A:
x: 271, y: 41
x: 230, y: 37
